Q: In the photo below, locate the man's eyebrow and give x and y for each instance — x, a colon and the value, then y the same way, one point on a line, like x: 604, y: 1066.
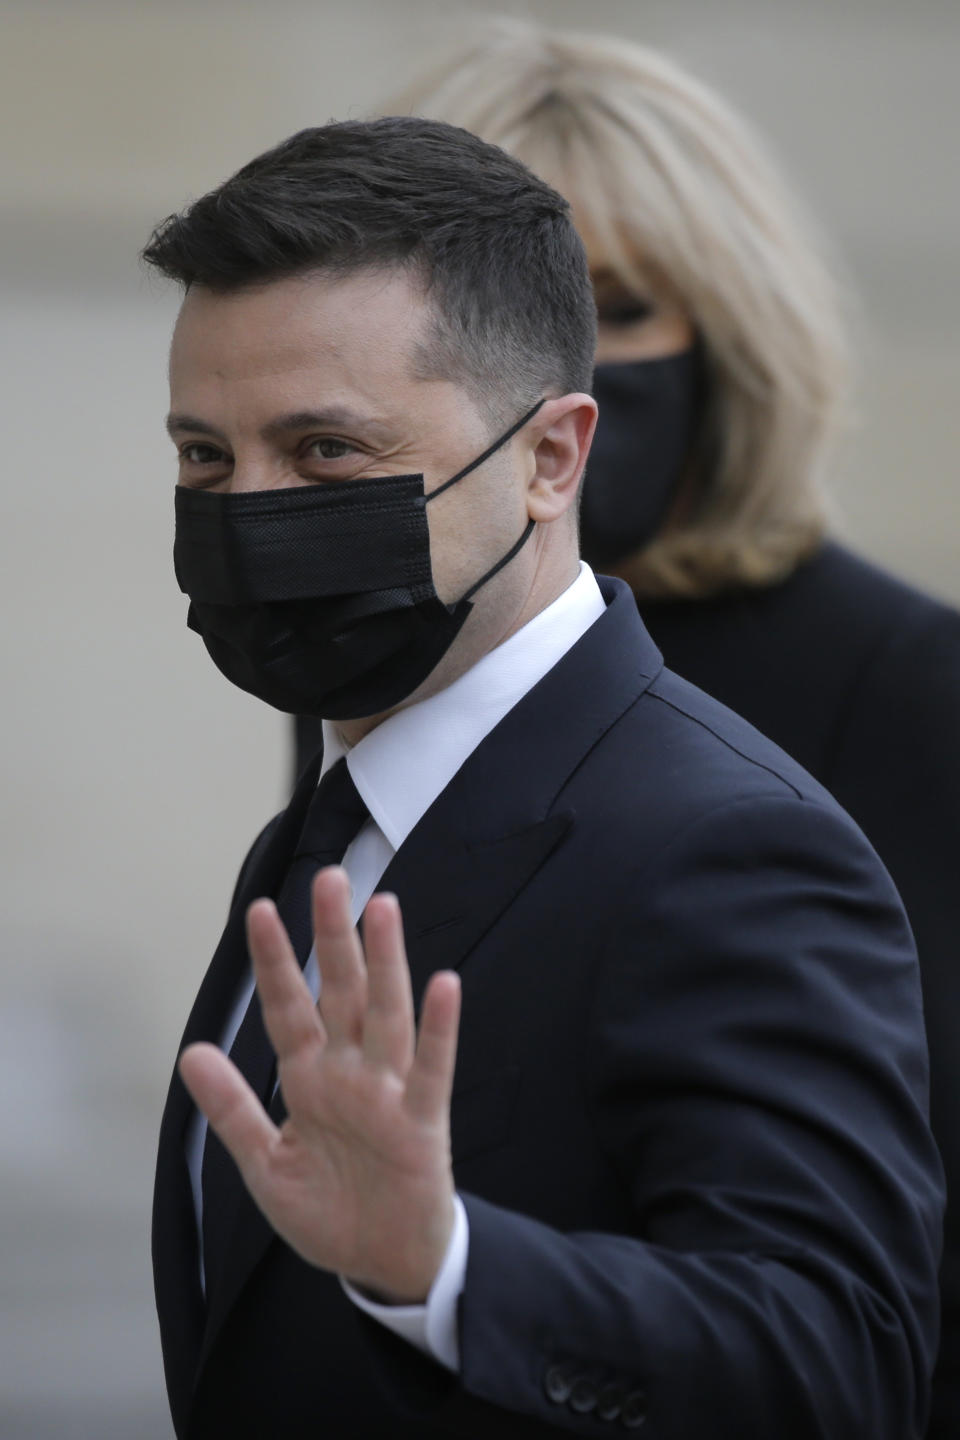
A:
x: 335, y: 417
x: 189, y: 424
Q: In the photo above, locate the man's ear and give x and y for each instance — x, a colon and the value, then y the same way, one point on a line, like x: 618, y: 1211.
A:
x: 561, y: 433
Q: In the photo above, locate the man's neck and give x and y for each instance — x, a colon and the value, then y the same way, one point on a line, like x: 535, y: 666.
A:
x: 539, y: 597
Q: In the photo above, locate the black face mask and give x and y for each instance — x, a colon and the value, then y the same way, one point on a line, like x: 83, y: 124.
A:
x: 648, y: 414
x: 320, y: 600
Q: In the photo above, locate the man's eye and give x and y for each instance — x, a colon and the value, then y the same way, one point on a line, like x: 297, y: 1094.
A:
x: 328, y: 448
x: 201, y: 454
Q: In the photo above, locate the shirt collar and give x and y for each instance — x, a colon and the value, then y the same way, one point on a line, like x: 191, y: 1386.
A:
x: 402, y: 766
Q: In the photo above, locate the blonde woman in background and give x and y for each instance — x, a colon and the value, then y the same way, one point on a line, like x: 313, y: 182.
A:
x: 720, y: 380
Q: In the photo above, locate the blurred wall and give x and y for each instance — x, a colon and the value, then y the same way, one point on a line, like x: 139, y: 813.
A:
x: 133, y: 776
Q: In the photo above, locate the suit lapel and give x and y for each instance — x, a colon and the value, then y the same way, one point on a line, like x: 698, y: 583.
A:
x: 502, y: 815
x: 452, y: 892
x: 480, y: 843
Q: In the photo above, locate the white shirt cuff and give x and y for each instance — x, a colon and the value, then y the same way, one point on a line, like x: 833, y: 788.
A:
x: 431, y: 1327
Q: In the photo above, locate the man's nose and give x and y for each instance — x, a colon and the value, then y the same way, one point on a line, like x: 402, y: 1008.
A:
x: 260, y: 472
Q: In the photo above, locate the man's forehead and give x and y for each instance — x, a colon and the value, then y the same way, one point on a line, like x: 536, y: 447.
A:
x: 309, y: 353
x: 369, y: 322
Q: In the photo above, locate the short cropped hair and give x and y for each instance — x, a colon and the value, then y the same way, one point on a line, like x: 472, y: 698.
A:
x: 493, y: 246
x: 677, y: 190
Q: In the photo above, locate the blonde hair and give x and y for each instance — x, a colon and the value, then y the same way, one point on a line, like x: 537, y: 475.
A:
x: 672, y: 184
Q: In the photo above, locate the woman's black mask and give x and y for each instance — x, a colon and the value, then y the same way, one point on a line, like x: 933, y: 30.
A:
x: 649, y: 411
x: 320, y: 599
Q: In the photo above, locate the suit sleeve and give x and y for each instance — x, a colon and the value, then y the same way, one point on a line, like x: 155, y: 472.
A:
x: 905, y: 726
x: 759, y: 1090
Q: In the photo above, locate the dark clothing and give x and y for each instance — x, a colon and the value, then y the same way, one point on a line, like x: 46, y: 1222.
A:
x: 688, y: 1122
x: 857, y: 676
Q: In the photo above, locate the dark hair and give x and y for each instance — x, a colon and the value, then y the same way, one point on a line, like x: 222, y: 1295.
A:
x: 493, y: 245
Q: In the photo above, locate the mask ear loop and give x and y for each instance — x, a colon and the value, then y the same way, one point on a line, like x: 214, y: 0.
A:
x: 514, y: 550
x: 490, y: 450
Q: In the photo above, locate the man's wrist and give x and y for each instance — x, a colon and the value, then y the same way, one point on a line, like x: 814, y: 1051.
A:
x: 431, y: 1327
x: 423, y: 1275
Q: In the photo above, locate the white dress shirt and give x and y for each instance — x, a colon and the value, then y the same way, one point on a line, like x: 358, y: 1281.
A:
x: 399, y: 769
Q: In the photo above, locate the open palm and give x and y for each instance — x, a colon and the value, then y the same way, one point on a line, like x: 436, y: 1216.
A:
x: 357, y: 1179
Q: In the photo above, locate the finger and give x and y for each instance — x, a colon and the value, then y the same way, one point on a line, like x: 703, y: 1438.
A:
x: 233, y: 1110
x: 430, y: 1082
x: 343, y: 974
x: 388, y: 1031
x: 289, y: 1014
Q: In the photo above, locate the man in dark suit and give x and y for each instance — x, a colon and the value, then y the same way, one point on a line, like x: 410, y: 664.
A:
x: 672, y: 1170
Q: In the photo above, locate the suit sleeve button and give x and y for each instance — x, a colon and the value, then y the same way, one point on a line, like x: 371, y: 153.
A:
x: 583, y: 1396
x: 609, y: 1402
x: 557, y: 1385
x: 634, y: 1411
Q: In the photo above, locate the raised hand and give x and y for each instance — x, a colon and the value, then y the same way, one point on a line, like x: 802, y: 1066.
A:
x: 357, y: 1179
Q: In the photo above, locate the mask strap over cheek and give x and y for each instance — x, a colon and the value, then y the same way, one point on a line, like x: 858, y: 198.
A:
x: 490, y: 450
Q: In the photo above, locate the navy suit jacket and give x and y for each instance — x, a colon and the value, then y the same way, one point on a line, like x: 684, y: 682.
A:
x: 689, y: 1121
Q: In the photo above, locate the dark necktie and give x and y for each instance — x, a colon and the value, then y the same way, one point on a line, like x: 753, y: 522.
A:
x: 333, y: 820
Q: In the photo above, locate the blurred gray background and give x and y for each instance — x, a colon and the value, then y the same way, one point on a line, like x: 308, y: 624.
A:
x: 133, y: 776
